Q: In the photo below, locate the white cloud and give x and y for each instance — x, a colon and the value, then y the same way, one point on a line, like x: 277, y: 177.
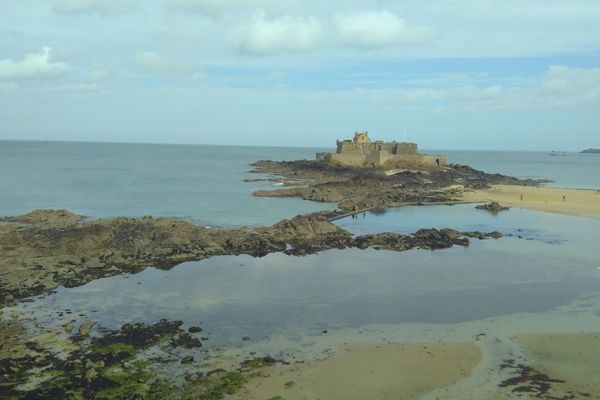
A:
x: 33, y: 66
x: 98, y: 7
x: 375, y: 29
x: 280, y: 35
x: 559, y: 87
x: 157, y: 63
x: 565, y: 80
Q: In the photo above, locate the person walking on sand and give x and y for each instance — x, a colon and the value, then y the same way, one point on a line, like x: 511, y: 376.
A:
x: 521, y: 197
x: 564, y: 198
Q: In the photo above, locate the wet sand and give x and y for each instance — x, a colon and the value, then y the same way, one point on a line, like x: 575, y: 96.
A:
x: 570, y: 357
x: 369, y: 371
x: 579, y: 202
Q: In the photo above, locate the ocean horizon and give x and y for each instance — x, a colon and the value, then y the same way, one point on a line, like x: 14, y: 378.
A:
x: 204, y: 183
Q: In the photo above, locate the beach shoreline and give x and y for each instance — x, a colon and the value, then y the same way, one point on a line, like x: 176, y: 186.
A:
x: 577, y: 202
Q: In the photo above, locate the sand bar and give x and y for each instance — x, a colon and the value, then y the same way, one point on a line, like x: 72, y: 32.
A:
x: 580, y: 202
x: 369, y: 371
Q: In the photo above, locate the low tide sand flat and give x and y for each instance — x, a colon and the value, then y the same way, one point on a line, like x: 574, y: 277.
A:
x: 571, y: 358
x: 370, y: 371
x: 579, y: 202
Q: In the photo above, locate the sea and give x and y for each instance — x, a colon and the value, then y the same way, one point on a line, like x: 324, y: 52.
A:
x: 542, y: 277
x: 204, y: 184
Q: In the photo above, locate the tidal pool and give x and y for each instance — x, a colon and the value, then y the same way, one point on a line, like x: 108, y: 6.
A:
x: 555, y: 263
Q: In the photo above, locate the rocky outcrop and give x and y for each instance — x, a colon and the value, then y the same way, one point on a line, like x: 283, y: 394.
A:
x: 492, y: 207
x: 46, y: 249
x: 358, y: 188
x: 429, y: 239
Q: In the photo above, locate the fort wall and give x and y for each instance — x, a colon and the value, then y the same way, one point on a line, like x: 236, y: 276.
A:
x: 362, y: 152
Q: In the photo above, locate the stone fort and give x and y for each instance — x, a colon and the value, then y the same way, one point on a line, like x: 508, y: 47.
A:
x: 362, y: 152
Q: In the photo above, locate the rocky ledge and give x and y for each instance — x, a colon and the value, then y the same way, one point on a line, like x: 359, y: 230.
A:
x: 137, y: 361
x: 49, y: 248
x: 359, y: 188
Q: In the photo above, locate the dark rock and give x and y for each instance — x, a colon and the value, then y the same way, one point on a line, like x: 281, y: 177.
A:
x: 186, y: 341
x: 493, y: 207
x: 526, y: 379
x: 194, y: 329
x: 140, y: 334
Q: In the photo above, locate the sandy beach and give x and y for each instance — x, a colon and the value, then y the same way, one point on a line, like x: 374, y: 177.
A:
x: 579, y: 202
x: 369, y: 371
x: 570, y: 358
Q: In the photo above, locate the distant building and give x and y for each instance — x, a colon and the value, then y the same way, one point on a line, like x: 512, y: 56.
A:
x: 362, y: 152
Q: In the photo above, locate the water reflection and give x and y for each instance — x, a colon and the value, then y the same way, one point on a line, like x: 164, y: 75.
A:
x: 235, y: 296
x: 577, y: 233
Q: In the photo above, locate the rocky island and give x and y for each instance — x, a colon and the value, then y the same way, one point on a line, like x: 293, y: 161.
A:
x: 362, y: 175
x: 591, y: 151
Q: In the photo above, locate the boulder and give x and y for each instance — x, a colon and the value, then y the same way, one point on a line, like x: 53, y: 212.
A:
x: 493, y: 207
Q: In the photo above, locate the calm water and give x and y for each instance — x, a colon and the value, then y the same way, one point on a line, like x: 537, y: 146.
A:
x: 199, y: 183
x: 235, y: 296
x: 567, y: 170
x: 203, y: 183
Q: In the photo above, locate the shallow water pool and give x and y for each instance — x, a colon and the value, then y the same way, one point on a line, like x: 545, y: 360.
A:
x: 554, y: 263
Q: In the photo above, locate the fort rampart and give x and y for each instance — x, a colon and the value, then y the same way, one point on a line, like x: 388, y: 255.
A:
x: 362, y: 152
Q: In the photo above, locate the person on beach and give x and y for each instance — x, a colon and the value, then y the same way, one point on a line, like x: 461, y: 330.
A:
x: 521, y: 197
x: 564, y: 198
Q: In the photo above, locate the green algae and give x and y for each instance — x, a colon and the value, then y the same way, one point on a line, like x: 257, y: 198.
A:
x: 229, y: 384
x: 103, y: 368
x: 214, y: 387
x: 259, y: 362
x: 111, y: 352
x: 114, y: 366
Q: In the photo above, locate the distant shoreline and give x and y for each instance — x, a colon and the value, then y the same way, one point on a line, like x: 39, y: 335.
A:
x: 590, y: 151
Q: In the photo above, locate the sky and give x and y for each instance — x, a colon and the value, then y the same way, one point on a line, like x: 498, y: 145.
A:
x: 447, y: 74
